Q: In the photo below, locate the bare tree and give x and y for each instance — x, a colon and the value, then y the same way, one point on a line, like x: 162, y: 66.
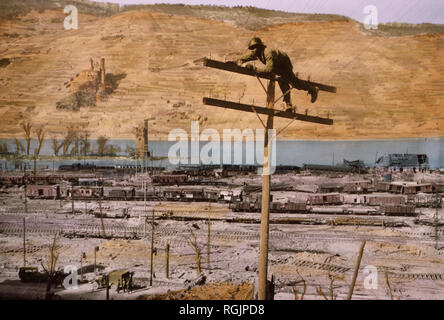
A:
x: 111, y: 150
x: 332, y: 279
x: 18, y: 146
x: 101, y: 145
x: 75, y: 148
x: 56, y: 146
x: 50, y: 267
x: 69, y: 137
x: 129, y: 150
x: 84, y: 140
x: 192, y: 241
x: 40, y: 132
x: 304, y: 289
x: 27, y: 126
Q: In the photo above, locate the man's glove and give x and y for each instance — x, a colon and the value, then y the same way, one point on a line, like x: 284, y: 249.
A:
x: 250, y: 67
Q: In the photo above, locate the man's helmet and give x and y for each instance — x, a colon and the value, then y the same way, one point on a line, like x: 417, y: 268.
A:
x: 255, y: 42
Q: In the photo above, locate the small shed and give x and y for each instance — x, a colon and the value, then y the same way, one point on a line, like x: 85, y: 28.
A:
x: 42, y: 191
x: 324, y: 199
x: 357, y: 186
x: 377, y: 200
x: 330, y: 187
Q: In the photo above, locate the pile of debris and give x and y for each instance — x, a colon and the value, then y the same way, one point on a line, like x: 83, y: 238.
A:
x: 212, y: 291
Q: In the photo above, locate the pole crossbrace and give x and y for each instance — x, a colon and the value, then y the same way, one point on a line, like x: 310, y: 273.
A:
x: 257, y: 115
x: 285, y: 127
x: 288, y: 91
x: 266, y: 111
x: 263, y: 87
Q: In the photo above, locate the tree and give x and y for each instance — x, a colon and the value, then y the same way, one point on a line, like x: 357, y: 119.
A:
x: 194, y: 244
x: 40, y: 132
x: 130, y: 150
x: 69, y: 137
x: 112, y: 150
x: 101, y: 144
x: 18, y: 146
x: 27, y: 126
x: 56, y: 146
x: 75, y: 149
x: 84, y: 140
x: 50, y: 267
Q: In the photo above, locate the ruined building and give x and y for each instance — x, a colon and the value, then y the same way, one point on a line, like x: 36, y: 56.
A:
x: 142, y: 140
x: 405, y: 160
x: 85, y: 88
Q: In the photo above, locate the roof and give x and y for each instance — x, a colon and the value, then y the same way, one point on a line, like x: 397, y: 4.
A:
x: 409, y: 184
x: 324, y: 194
x: 331, y: 185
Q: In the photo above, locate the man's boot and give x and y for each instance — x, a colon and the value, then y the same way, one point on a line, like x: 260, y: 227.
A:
x: 313, y: 91
x: 289, y: 108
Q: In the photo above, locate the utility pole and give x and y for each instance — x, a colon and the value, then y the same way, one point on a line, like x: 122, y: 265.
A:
x: 270, y: 112
x: 95, y: 259
x: 208, y: 240
x: 152, y: 250
x: 72, y: 202
x: 144, y: 195
x: 355, y: 274
x: 26, y: 199
x: 35, y: 167
x: 167, y: 264
x: 107, y: 286
x: 265, y: 210
x: 81, y: 265
x: 436, y: 218
x: 101, y: 217
x: 145, y: 144
x: 24, y: 242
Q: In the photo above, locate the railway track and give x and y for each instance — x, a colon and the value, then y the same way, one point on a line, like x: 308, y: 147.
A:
x: 139, y: 232
x: 40, y: 225
x: 29, y: 249
x: 417, y: 276
x: 297, y: 264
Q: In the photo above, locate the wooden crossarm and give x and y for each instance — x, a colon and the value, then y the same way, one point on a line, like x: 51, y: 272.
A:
x: 232, y: 67
x: 267, y: 111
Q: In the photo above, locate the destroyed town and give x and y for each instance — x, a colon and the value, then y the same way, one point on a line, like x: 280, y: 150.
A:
x: 201, y: 152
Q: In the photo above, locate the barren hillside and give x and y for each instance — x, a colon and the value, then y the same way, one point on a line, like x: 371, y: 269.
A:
x: 388, y: 87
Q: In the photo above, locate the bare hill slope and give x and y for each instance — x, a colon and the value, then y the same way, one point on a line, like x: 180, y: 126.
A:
x: 388, y: 87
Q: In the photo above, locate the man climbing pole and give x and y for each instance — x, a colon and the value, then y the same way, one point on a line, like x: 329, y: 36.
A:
x: 277, y: 62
